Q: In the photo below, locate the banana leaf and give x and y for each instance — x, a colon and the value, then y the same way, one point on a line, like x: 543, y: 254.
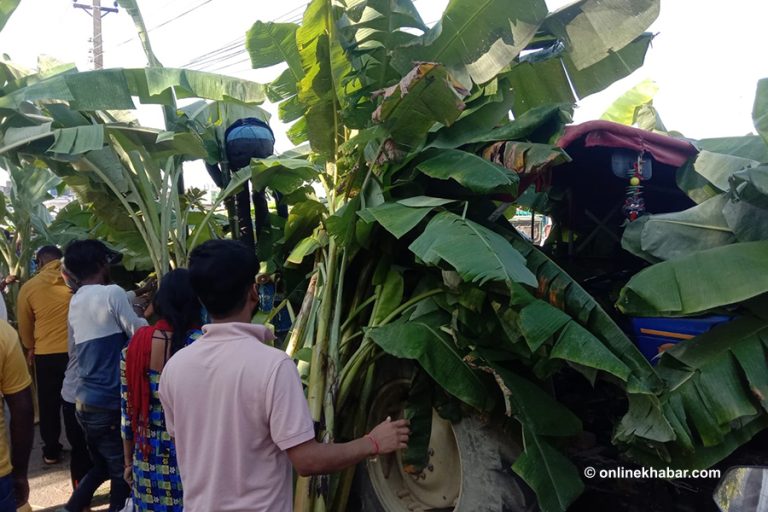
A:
x: 478, y: 254
x: 424, y: 340
x: 717, y: 167
x: 752, y: 147
x: 476, y: 40
x: 426, y: 95
x: 760, y: 109
x: 698, y: 282
x: 624, y: 109
x: 269, y: 44
x: 716, y: 387
x: 674, y: 235
x: 132, y: 8
x: 595, y: 29
x: 395, y: 218
x: 7, y: 8
x: 560, y: 290
x: 470, y: 171
x: 553, y: 477
x: 113, y: 89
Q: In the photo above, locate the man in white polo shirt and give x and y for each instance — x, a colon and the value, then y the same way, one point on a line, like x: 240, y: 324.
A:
x: 235, y: 405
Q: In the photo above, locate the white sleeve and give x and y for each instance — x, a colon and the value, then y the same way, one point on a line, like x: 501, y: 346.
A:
x: 126, y: 317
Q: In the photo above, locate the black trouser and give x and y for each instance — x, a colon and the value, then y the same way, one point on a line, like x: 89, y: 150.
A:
x: 80, y: 461
x: 50, y: 375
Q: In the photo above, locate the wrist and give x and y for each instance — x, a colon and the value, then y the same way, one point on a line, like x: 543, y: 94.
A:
x: 375, y: 447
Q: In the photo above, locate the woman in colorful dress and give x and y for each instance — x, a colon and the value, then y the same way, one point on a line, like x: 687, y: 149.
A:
x: 150, y: 455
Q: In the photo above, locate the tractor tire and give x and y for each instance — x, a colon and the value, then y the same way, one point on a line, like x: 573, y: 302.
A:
x: 470, y: 467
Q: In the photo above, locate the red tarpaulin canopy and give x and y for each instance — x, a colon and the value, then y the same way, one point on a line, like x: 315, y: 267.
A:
x: 663, y: 148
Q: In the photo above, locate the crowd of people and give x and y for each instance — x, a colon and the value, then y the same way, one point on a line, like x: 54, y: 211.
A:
x: 196, y: 411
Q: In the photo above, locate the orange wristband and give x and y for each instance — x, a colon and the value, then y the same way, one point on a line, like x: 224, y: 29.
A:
x: 376, y: 447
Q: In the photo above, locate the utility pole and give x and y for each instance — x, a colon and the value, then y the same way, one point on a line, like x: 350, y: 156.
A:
x: 98, y: 53
x: 97, y: 12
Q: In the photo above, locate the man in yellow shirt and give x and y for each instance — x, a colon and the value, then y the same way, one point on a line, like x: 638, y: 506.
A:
x: 15, y: 386
x: 43, y: 306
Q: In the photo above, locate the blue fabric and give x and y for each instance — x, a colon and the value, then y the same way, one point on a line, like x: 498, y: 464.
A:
x: 157, y: 483
x: 99, y: 364
x: 250, y: 132
x: 7, y: 500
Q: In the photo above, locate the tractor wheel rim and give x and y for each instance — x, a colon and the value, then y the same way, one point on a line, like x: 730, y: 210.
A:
x: 438, y: 486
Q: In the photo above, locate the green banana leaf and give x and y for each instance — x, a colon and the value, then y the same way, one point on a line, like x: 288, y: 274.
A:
x: 760, y: 109
x: 270, y: 43
x: 674, y: 235
x: 591, y: 49
x: 132, y: 8
x: 698, y: 282
x: 113, y: 89
x: 553, y: 477
x: 614, y: 66
x: 594, y: 29
x: 747, y: 212
x: 543, y: 124
x: 470, y: 171
x: 478, y: 254
x: 285, y: 175
x: 716, y: 386
x: 560, y: 290
x: 426, y: 95
x: 695, y: 186
x: 716, y: 168
x: 7, y: 8
x: 424, y: 340
x: 624, y: 109
x: 475, y: 40
x: 395, y: 218
x: 323, y: 88
x: 752, y: 147
x: 374, y: 28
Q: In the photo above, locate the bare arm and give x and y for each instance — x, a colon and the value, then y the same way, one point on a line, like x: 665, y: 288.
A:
x: 313, y: 458
x: 22, y: 434
x: 128, y: 460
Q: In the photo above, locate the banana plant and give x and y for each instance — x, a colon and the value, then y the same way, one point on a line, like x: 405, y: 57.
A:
x: 709, y: 258
x: 402, y: 253
x: 24, y: 219
x: 129, y: 175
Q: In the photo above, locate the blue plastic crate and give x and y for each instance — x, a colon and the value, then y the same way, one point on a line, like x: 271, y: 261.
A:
x: 653, y: 335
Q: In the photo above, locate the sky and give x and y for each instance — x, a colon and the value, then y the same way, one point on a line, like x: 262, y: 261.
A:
x: 706, y: 57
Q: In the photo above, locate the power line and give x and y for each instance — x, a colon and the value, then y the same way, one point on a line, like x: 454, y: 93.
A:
x: 168, y: 21
x: 295, y: 15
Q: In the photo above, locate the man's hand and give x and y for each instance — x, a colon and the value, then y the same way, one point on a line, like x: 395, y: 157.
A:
x: 149, y: 286
x: 9, y: 279
x: 389, y: 436
x: 313, y: 458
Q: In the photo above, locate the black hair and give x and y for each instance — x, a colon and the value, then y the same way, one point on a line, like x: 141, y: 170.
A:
x: 85, y: 258
x: 50, y: 251
x: 176, y: 303
x: 222, y: 272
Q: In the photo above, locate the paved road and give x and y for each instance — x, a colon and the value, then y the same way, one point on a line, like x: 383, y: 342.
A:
x: 50, y: 486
